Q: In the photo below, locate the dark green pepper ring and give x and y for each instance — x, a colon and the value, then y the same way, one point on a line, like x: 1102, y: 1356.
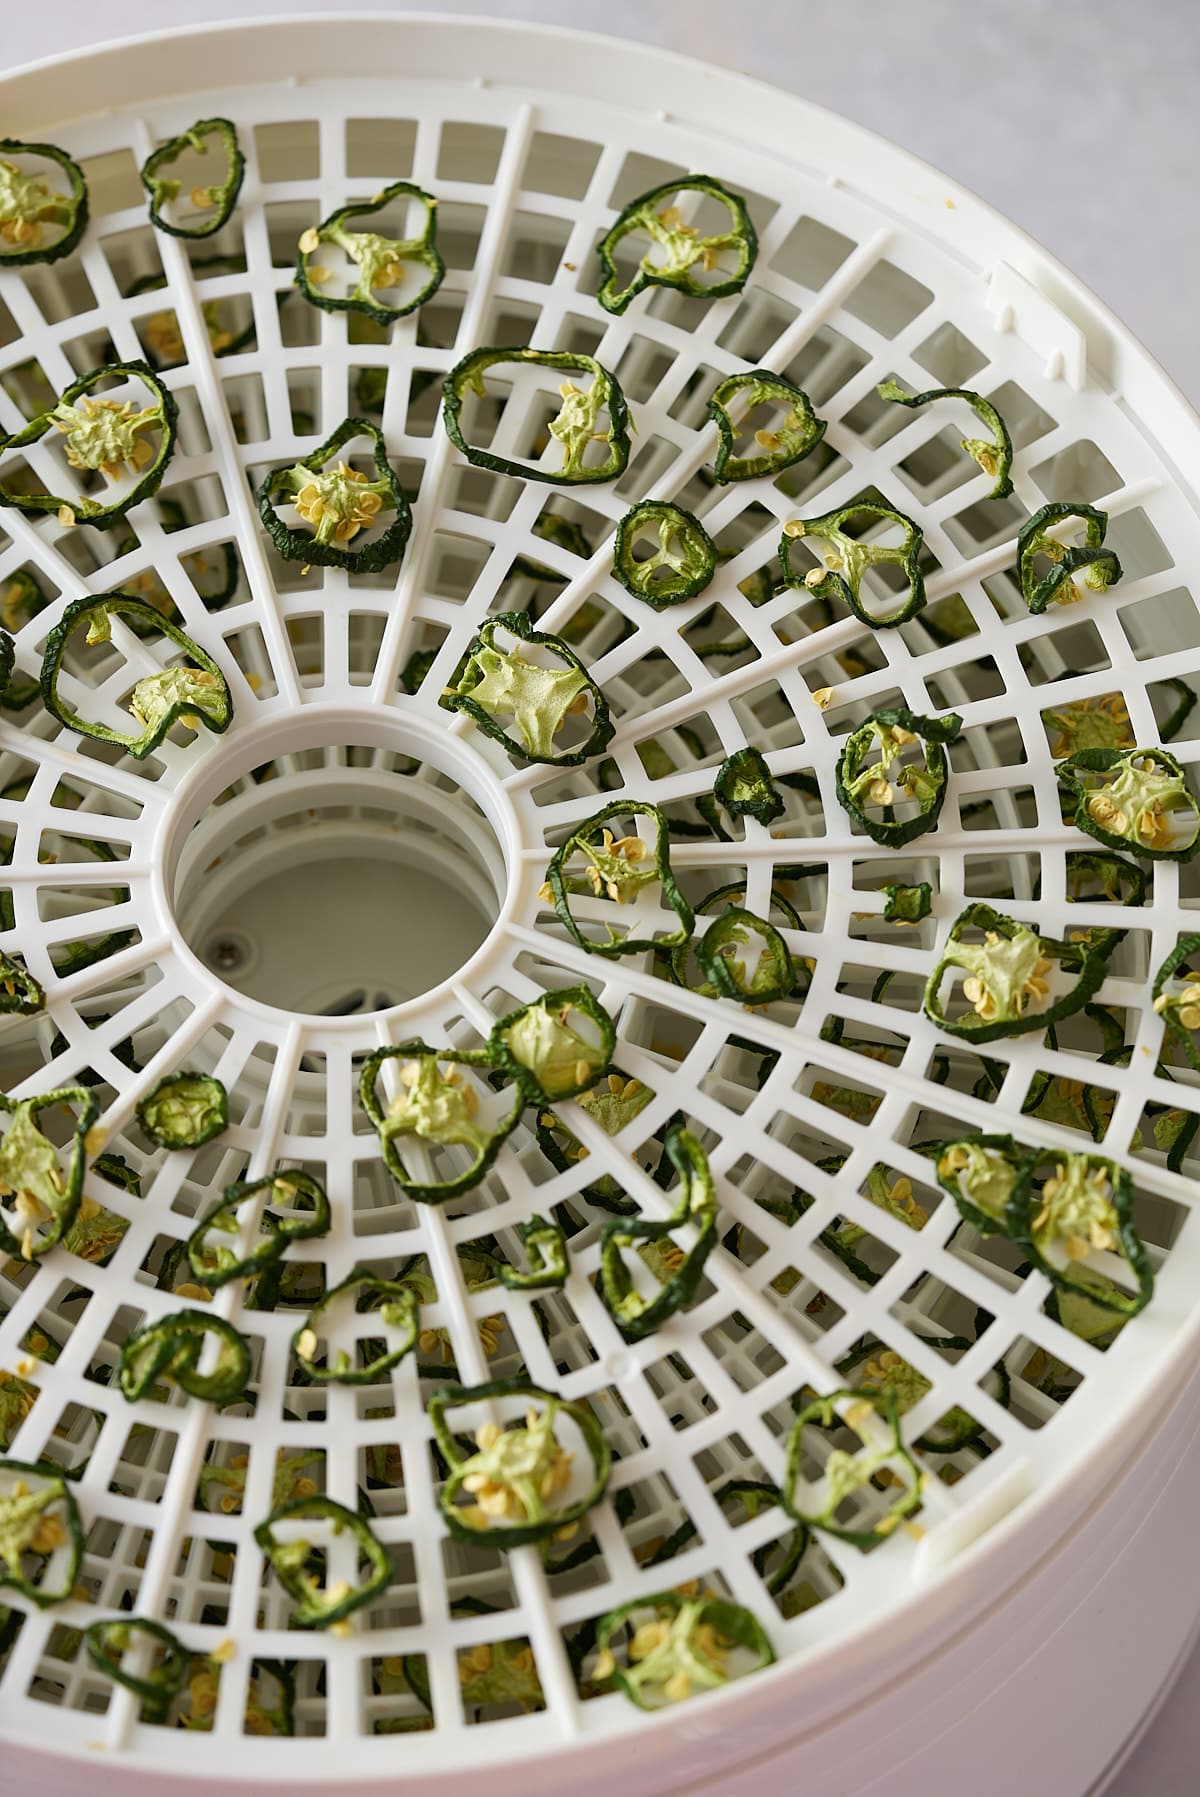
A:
x: 907, y: 904
x: 1130, y: 810
x: 103, y: 434
x: 681, y: 246
x: 194, y: 695
x: 683, y: 1662
x: 435, y: 1108
x: 157, y: 1689
x: 982, y: 1174
x: 26, y: 204
x: 215, y: 1265
x: 1074, y: 1197
x: 221, y: 195
x: 775, y: 976
x: 184, y: 1110
x: 1181, y: 1013
x: 682, y: 565
x: 545, y: 1242
x: 635, y: 1315
x: 172, y: 1348
x: 745, y: 788
x: 29, y: 1170
x: 20, y: 993
x: 615, y: 872
x: 539, y: 1050
x: 532, y: 1478
x: 994, y: 457
x: 574, y: 425
x: 848, y: 559
x: 891, y: 731
x: 397, y: 1307
x: 798, y: 435
x: 380, y: 260
x: 494, y: 681
x: 316, y: 1608
x: 1099, y: 566
x: 1004, y: 972
x: 26, y: 1529
x: 338, y: 505
x: 851, y: 1472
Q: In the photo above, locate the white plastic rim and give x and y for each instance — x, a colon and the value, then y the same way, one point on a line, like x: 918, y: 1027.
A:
x: 869, y: 265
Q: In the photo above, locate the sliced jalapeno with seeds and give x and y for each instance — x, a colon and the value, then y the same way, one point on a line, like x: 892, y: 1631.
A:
x: 844, y: 1474
x: 745, y: 788
x: 1128, y: 799
x: 39, y: 1197
x: 982, y: 1174
x: 545, y: 1243
x: 617, y: 870
x: 432, y: 1107
x: 158, y: 1688
x: 397, y: 1308
x: 495, y: 683
x: 682, y: 565
x: 102, y: 436
x: 184, y: 1110
x: 849, y: 558
x: 863, y: 782
x: 338, y: 503
x: 1007, y: 975
x: 194, y: 694
x: 298, y: 1564
x: 797, y: 435
x: 307, y: 1215
x: 574, y: 426
x: 37, y: 224
x: 635, y: 1315
x: 1084, y: 1207
x: 383, y: 264
x: 20, y: 993
x: 173, y: 1348
x: 679, y: 1647
x: 39, y: 1521
x: 520, y: 1477
x: 994, y: 454
x: 1099, y: 566
x: 676, y: 247
x: 907, y: 904
x: 1180, y: 1011
x: 216, y: 201
x: 546, y: 1053
x: 717, y: 950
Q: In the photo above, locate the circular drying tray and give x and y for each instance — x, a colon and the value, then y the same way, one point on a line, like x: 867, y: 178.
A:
x: 870, y: 265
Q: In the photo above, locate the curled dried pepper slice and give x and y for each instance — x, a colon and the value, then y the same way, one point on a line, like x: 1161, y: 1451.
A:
x: 677, y: 1647
x: 1099, y: 566
x: 495, y: 683
x: 1008, y: 976
x: 866, y: 774
x: 381, y: 263
x: 994, y: 455
x: 675, y: 247
x: 215, y: 201
x: 337, y: 504
x: 575, y: 427
x: 1136, y: 799
x: 299, y: 1564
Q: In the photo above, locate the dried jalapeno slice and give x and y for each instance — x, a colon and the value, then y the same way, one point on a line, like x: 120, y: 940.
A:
x: 677, y: 1646
x: 845, y: 1474
x: 865, y: 776
x: 718, y: 951
x: 102, y: 437
x: 37, y: 224
x: 39, y: 1195
x: 1180, y: 1010
x: 595, y: 862
x: 306, y: 1214
x: 1099, y: 566
x: 745, y: 788
x: 1008, y: 977
x: 20, y: 993
x: 907, y: 904
x: 173, y: 1348
x: 495, y: 683
x: 192, y: 694
x: 574, y: 427
x: 41, y: 1536
x: 994, y: 454
x: 1136, y: 799
x: 523, y: 1484
x: 680, y: 567
x: 337, y: 504
x: 435, y: 1109
x: 184, y: 1110
x: 779, y: 446
x: 160, y: 1685
x: 635, y: 1314
x: 1083, y: 1206
x: 555, y: 1047
x: 214, y: 201
x: 387, y: 1302
x: 675, y: 247
x: 300, y: 1564
x: 378, y: 264
x: 545, y: 1244
x: 851, y: 554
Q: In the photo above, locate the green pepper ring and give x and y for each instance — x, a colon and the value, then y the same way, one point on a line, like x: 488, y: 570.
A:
x: 717, y: 970
x: 308, y: 1613
x: 1002, y: 473
x: 89, y: 1110
x: 78, y: 197
x: 159, y: 1688
x: 167, y: 1138
x: 440, y: 1190
x: 296, y: 546
x: 181, y: 1335
x: 1099, y: 761
x: 935, y: 733
x: 647, y: 277
x: 167, y: 154
x: 733, y: 1621
x: 634, y: 1317
x: 396, y: 1296
x: 746, y: 768
x: 424, y: 249
x: 1090, y: 962
x: 274, y: 1244
x: 822, y: 1407
x: 52, y: 1476
x: 546, y: 1244
x: 27, y: 997
x: 507, y: 1536
x: 676, y: 589
x: 83, y: 510
x: 575, y: 998
x: 832, y: 585
x: 729, y: 467
x: 1037, y: 594
x: 521, y: 625
x: 472, y: 368
x: 1184, y: 950
x: 622, y: 808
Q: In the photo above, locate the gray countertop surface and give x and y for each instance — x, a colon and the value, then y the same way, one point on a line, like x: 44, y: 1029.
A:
x: 1078, y: 120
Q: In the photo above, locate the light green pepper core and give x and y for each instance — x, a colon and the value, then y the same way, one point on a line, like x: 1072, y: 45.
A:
x: 1004, y: 973
x: 435, y: 1106
x: 539, y: 700
x: 105, y: 434
x: 985, y: 1176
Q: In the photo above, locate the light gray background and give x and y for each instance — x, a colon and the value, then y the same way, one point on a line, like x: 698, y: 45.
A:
x: 1077, y: 118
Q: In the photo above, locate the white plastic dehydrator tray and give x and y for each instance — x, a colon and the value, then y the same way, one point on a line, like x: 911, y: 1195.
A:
x: 296, y: 894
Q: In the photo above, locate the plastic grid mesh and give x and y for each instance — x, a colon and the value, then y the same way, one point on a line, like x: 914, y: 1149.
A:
x: 843, y: 293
